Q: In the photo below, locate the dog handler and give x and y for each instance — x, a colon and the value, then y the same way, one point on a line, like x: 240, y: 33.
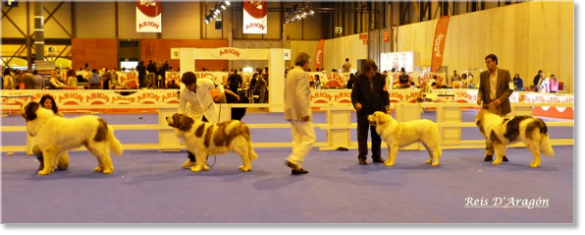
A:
x: 48, y: 102
x: 197, y: 93
x: 495, y: 89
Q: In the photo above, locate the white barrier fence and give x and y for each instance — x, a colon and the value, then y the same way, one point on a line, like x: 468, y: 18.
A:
x: 338, y: 126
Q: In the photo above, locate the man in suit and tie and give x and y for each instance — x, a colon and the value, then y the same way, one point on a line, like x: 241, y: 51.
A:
x: 495, y: 88
x: 368, y: 95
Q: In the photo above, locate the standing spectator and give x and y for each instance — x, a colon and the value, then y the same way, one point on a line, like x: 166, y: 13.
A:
x: 351, y: 81
x: 28, y: 80
x: 8, y: 81
x: 107, y: 81
x: 141, y: 74
x: 253, y: 83
x: 38, y: 82
x: 234, y: 81
x: 163, y: 73
x: 544, y: 84
x: 151, y: 76
x: 518, y: 84
x: 554, y: 84
x: 455, y: 77
x: 494, y: 92
x: 297, y: 110
x: 17, y: 79
x: 95, y: 80
x: 368, y: 95
x: 537, y: 79
x: 346, y: 66
x: 262, y: 83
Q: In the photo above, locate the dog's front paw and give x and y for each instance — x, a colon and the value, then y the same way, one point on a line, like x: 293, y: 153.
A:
x: 45, y: 172
x: 496, y: 162
x: 429, y: 161
x: 435, y: 163
x: 196, y: 168
x: 98, y: 169
x: 205, y: 167
x: 388, y: 163
x: 245, y: 169
x: 534, y: 165
x: 108, y: 171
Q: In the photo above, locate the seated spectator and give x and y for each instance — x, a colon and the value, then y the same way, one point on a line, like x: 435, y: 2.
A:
x: 518, y: 84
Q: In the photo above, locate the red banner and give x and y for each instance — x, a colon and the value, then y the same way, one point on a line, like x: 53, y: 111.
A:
x: 386, y: 36
x: 319, y: 55
x: 255, y: 17
x: 148, y: 16
x: 439, y: 43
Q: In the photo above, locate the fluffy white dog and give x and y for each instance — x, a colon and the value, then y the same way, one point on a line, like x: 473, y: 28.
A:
x: 204, y: 139
x: 502, y: 132
x: 55, y: 135
x: 399, y: 134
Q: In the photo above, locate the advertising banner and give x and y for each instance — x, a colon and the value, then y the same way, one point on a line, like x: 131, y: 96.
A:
x: 439, y: 43
x: 255, y: 17
x: 148, y: 17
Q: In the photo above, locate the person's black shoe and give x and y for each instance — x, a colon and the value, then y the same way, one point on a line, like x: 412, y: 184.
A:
x: 292, y: 165
x: 362, y: 161
x: 299, y: 171
x: 505, y: 159
x: 378, y: 160
x: 488, y: 158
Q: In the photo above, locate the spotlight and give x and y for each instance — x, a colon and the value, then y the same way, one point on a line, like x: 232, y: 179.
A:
x: 299, y: 12
x: 223, y: 7
x: 227, y: 3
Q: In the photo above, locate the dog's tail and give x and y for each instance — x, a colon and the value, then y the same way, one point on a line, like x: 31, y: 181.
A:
x: 251, y: 153
x: 545, y: 146
x: 114, y: 143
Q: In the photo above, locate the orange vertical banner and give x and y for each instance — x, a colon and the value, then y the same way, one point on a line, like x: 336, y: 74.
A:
x: 439, y: 43
x: 319, y: 55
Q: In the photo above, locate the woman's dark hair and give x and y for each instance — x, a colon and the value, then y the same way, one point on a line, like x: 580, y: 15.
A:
x: 368, y: 65
x: 188, y: 78
x: 54, y: 107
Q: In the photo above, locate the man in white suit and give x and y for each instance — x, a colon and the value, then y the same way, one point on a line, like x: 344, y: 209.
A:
x: 297, y: 110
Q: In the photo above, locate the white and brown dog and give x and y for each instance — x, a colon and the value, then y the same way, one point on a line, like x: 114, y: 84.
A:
x: 204, y: 139
x: 502, y: 132
x: 55, y: 135
x: 399, y: 134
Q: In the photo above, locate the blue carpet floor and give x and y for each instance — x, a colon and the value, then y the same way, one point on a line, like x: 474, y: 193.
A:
x: 149, y: 187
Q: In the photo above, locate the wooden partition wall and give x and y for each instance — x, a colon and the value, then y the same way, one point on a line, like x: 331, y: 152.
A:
x: 97, y: 53
x: 160, y: 49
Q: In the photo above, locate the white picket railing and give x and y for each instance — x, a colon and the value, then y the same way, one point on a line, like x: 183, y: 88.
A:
x: 338, y: 125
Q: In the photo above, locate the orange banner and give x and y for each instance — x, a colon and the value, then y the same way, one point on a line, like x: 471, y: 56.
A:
x: 319, y: 55
x: 439, y: 43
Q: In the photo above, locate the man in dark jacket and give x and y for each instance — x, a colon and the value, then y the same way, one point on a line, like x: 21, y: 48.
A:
x: 368, y: 95
x: 141, y: 73
x: 537, y: 80
x: 234, y: 81
x: 163, y: 72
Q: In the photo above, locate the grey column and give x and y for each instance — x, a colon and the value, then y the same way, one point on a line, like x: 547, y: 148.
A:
x: 39, y: 31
